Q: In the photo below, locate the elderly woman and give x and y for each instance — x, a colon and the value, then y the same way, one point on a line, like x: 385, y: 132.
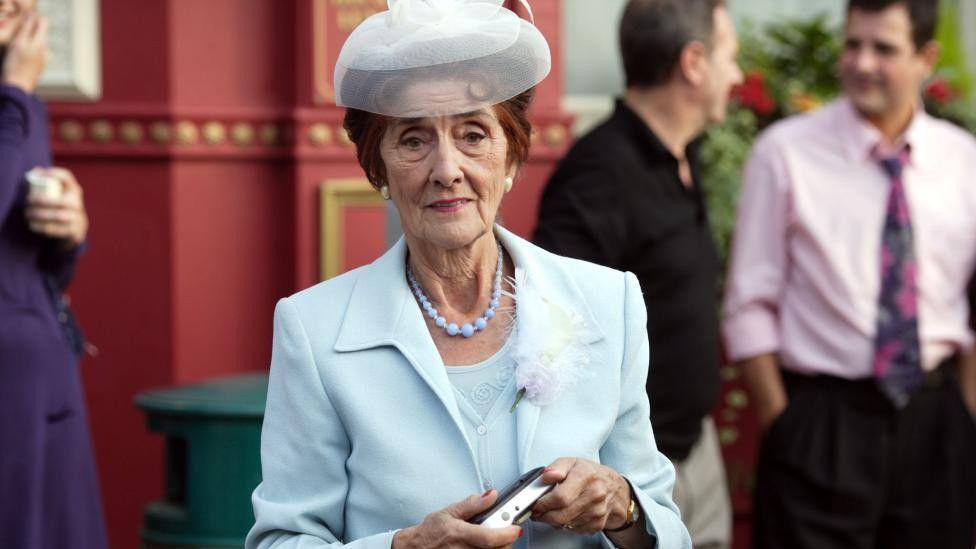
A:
x: 48, y: 491
x: 404, y: 393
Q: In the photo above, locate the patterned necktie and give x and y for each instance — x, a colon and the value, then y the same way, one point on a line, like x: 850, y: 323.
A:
x: 897, y: 357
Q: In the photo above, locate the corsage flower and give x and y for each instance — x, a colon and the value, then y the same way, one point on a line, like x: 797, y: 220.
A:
x: 549, y: 353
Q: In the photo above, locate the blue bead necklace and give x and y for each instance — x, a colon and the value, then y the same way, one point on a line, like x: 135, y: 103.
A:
x: 470, y: 328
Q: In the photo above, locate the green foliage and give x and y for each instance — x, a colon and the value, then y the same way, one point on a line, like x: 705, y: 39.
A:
x: 795, y: 57
x: 723, y: 154
x: 952, y: 61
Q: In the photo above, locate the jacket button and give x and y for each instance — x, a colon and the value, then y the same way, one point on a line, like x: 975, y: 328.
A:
x: 62, y: 317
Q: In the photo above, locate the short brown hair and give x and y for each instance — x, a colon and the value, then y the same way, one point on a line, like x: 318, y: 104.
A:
x: 924, y: 15
x: 653, y: 34
x: 366, y: 129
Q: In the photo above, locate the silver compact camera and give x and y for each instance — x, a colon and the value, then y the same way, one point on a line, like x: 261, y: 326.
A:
x: 514, y: 503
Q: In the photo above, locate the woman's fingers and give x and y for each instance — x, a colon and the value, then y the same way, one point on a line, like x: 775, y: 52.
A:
x: 58, y: 215
x: 571, y: 485
x: 557, y: 471
x: 54, y: 226
x: 46, y: 209
x: 483, y: 537
x: 40, y: 34
x: 64, y: 175
x: 69, y: 184
x: 62, y: 216
x: 60, y: 232
x: 26, y: 53
x: 27, y: 28
x: 58, y: 222
x: 471, y: 505
x: 476, y: 535
x: 449, y: 527
x: 581, y: 502
x: 586, y: 515
x: 592, y: 516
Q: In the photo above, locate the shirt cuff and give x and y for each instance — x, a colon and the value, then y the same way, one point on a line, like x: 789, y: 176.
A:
x: 14, y: 93
x: 660, y: 523
x: 751, y: 332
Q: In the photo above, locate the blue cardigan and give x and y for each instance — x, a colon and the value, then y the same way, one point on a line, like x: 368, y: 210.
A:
x: 363, y: 436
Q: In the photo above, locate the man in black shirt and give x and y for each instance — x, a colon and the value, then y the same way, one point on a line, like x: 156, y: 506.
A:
x: 627, y: 196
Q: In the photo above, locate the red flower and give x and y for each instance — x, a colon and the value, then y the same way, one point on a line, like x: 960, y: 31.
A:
x: 753, y: 95
x: 940, y: 91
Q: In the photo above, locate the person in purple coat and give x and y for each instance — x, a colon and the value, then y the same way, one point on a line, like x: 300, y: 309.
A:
x: 49, y: 495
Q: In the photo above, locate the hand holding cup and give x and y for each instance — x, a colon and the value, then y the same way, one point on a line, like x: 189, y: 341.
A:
x: 56, y: 206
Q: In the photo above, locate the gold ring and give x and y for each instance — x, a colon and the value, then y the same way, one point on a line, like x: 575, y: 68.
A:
x: 568, y: 526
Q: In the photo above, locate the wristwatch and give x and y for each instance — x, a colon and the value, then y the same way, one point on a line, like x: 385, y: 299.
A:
x: 633, y: 515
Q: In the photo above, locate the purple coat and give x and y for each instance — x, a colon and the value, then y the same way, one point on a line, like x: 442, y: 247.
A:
x: 48, y: 489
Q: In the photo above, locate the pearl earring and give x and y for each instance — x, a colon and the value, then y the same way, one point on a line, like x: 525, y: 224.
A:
x: 385, y: 192
x: 508, y: 184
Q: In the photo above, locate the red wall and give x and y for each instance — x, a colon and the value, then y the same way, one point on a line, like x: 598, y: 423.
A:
x: 202, y: 173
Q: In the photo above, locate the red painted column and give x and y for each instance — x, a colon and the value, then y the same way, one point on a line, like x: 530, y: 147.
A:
x: 203, y: 165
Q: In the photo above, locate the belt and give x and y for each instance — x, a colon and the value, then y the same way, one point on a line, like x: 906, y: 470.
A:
x: 946, y: 371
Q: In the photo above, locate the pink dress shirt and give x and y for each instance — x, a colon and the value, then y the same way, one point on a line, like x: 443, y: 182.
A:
x: 805, y: 269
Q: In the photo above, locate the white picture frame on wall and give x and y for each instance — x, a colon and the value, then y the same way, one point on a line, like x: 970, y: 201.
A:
x: 74, y: 70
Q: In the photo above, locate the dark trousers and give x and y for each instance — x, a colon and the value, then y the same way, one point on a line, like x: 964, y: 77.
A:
x: 842, y: 468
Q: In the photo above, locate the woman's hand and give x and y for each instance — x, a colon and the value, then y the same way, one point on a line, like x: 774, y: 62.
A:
x: 27, y: 53
x: 63, y: 218
x: 588, y: 499
x: 448, y: 528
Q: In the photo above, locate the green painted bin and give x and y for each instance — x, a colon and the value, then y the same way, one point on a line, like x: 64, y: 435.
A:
x: 213, y: 438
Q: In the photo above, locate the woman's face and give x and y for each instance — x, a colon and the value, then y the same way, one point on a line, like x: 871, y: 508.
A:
x: 447, y: 175
x: 11, y: 14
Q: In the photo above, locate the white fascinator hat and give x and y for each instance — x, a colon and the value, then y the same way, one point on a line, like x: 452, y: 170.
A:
x: 439, y: 57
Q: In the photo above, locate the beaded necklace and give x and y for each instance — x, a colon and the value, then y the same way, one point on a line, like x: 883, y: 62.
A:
x: 470, y: 328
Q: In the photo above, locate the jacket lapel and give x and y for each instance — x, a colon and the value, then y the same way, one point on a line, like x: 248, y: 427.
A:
x: 382, y: 312
x: 547, y: 277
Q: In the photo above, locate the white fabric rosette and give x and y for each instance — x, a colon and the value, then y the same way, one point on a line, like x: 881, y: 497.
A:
x: 439, y: 57
x: 549, y: 352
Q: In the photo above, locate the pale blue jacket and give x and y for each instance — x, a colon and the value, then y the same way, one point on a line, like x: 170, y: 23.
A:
x: 363, y: 435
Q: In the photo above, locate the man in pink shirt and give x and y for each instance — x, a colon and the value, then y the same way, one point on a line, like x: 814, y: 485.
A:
x: 846, y: 305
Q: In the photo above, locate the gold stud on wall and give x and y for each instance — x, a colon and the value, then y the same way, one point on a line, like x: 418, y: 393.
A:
x: 728, y: 435
x: 556, y: 135
x: 319, y: 134
x: 214, y: 133
x: 737, y: 398
x: 160, y: 133
x: 130, y: 132
x: 242, y: 134
x: 269, y: 134
x: 71, y: 131
x: 186, y: 133
x: 101, y: 131
x: 729, y: 373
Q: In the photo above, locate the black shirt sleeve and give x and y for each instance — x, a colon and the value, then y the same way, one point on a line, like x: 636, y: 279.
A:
x: 581, y: 215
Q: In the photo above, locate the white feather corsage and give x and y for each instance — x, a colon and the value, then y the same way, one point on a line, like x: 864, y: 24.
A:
x: 549, y: 352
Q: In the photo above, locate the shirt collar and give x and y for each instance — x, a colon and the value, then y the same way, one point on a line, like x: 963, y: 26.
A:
x: 863, y: 139
x: 650, y: 142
